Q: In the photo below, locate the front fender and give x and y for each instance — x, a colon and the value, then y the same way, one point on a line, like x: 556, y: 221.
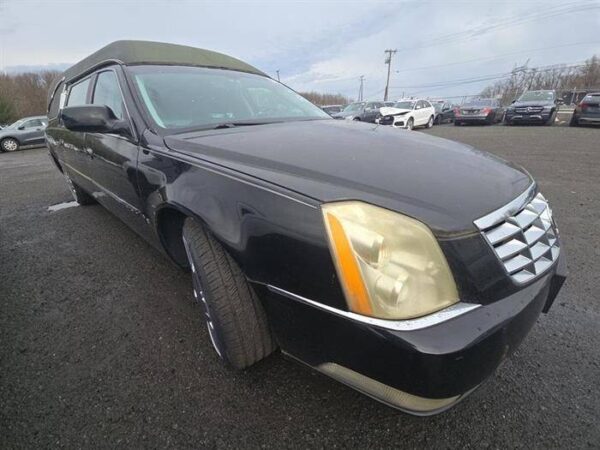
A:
x: 277, y: 237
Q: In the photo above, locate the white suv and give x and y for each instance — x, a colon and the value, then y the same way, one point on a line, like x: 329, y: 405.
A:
x: 408, y: 114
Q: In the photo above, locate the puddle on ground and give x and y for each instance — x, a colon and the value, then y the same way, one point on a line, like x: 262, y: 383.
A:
x: 63, y: 205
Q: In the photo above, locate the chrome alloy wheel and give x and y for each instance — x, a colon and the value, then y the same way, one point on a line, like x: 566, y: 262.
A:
x: 10, y: 145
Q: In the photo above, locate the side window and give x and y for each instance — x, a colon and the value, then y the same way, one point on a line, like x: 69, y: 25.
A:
x: 78, y: 93
x: 419, y: 105
x: 34, y: 123
x: 107, y: 92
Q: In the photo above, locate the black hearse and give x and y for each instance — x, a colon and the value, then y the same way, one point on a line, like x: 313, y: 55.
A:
x: 405, y: 266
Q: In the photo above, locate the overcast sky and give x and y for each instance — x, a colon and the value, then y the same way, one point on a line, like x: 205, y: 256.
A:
x: 320, y: 45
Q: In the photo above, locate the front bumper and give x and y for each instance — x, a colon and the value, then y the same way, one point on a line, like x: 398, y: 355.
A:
x: 479, y: 118
x: 421, y: 371
x: 540, y: 117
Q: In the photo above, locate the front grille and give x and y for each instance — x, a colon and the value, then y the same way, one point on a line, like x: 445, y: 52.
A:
x: 525, y: 240
x: 529, y: 110
x: 386, y: 120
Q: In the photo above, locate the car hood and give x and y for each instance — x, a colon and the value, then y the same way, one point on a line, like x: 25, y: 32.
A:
x: 532, y: 103
x: 343, y: 114
x: 444, y: 184
x: 389, y: 111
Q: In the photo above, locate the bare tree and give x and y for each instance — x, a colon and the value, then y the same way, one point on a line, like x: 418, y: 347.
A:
x: 24, y: 94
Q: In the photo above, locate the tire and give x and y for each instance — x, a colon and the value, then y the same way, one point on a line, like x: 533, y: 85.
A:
x: 574, y: 121
x: 437, y: 120
x: 79, y: 195
x: 552, y: 119
x: 356, y: 119
x: 430, y: 122
x: 9, y: 145
x: 457, y: 123
x: 410, y: 124
x: 236, y: 322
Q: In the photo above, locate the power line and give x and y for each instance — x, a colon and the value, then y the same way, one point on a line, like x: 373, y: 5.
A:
x: 498, y: 57
x: 500, y: 24
x: 489, y: 76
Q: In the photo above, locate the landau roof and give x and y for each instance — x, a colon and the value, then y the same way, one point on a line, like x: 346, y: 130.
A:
x: 147, y: 52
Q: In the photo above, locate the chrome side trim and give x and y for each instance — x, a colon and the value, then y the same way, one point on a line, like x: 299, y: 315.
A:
x: 502, y: 213
x: 419, y: 323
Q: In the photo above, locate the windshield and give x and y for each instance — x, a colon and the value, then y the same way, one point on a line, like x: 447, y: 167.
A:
x: 17, y: 124
x: 531, y: 96
x: 354, y: 107
x: 178, y: 97
x: 482, y: 102
x: 405, y: 105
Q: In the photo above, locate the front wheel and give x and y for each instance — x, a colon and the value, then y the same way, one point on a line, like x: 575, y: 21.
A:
x: 457, y: 123
x: 551, y: 120
x: 236, y: 322
x: 430, y: 122
x: 9, y: 145
x: 356, y: 119
x: 410, y: 125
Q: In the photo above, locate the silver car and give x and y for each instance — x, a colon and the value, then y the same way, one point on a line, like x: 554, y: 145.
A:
x: 26, y: 131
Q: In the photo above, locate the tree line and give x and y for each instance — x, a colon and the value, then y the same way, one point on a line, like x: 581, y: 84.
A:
x: 325, y: 99
x: 571, y: 81
x: 24, y: 94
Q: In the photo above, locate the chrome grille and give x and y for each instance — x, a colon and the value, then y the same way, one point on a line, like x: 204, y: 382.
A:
x: 529, y: 109
x: 524, y: 239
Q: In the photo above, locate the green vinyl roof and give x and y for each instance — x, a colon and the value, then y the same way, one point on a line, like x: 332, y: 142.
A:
x: 146, y: 52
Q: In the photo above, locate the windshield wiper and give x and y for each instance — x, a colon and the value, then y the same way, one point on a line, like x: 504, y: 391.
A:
x: 238, y: 124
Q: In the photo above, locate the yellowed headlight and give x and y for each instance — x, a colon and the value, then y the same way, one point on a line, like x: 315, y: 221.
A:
x: 390, y: 265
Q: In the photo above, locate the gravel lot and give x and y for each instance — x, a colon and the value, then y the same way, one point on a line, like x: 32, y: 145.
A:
x: 102, y: 346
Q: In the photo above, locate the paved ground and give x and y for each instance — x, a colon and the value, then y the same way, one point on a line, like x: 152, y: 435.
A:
x: 101, y: 345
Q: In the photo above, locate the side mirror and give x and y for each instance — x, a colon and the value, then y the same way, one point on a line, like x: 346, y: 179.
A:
x: 93, y: 119
x: 560, y: 101
x: 514, y: 100
x: 22, y: 127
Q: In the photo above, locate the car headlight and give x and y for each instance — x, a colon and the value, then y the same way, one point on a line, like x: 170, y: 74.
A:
x: 390, y: 266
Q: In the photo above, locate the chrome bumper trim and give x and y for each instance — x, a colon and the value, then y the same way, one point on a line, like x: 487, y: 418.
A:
x: 419, y: 323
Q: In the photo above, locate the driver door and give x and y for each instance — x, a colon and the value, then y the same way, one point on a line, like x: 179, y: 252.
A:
x: 112, y: 158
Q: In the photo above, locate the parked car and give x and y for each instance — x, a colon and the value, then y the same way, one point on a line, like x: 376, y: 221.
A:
x: 381, y: 259
x: 408, y: 114
x: 25, y: 131
x: 360, y: 111
x: 536, y: 107
x: 485, y: 111
x: 332, y: 109
x: 588, y: 111
x: 444, y: 112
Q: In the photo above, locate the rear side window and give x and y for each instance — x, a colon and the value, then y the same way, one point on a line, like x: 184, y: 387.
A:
x: 108, y: 93
x: 78, y: 93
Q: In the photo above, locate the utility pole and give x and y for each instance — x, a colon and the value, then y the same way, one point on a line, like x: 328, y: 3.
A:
x: 277, y: 75
x: 388, y: 60
x: 361, y: 88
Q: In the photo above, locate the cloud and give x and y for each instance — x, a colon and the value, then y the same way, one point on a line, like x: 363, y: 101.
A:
x: 318, y: 45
